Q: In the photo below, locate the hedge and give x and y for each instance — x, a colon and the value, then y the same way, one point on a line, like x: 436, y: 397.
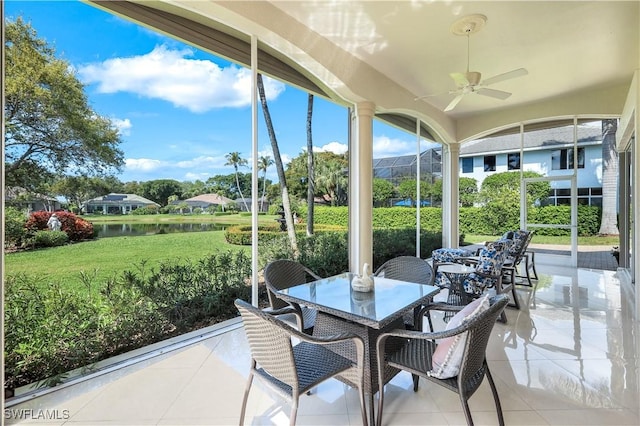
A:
x: 493, y: 219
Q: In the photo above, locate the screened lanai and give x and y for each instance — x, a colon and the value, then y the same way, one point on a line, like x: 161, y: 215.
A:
x: 359, y: 54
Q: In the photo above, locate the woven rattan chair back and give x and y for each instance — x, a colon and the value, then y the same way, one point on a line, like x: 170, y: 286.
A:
x: 282, y: 274
x: 416, y: 355
x: 407, y: 268
x: 291, y: 370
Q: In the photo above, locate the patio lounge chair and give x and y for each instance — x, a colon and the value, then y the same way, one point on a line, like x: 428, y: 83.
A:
x: 292, y: 370
x: 463, y: 344
x: 282, y: 274
x: 519, y: 252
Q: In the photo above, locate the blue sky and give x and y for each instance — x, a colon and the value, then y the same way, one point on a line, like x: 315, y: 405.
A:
x: 181, y: 110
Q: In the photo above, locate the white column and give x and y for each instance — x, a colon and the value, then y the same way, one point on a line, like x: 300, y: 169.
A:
x: 361, y: 188
x: 450, y: 194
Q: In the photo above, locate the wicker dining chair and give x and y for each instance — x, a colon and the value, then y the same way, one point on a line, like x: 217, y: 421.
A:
x: 282, y: 274
x: 411, y: 269
x: 292, y: 370
x: 417, y: 354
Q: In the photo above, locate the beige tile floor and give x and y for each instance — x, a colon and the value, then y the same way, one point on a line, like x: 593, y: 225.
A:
x: 567, y: 358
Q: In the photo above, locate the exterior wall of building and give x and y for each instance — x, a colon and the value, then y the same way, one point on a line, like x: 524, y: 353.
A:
x: 589, y: 178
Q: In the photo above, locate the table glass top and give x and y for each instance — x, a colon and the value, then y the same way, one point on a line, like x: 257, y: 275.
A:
x: 455, y: 268
x: 335, y: 293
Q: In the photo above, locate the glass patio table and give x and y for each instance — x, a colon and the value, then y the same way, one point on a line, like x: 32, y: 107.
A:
x: 341, y: 309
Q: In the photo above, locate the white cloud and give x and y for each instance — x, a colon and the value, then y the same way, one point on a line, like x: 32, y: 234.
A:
x: 143, y: 164
x: 383, y: 146
x: 201, y: 162
x: 197, y: 85
x: 335, y: 147
x: 197, y: 176
x: 123, y: 125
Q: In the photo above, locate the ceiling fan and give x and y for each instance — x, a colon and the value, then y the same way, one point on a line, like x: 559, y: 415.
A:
x: 471, y: 81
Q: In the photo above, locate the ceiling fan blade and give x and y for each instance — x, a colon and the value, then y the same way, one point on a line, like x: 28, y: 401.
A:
x: 493, y: 93
x: 460, y: 79
x: 429, y: 96
x: 454, y: 102
x: 505, y: 76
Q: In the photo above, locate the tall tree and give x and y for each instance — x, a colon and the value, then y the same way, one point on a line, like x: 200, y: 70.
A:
x: 49, y: 127
x: 160, y: 190
x: 234, y: 159
x: 331, y: 177
x: 383, y: 191
x: 286, y: 202
x: 610, y: 168
x: 263, y: 164
x: 311, y: 186
x: 79, y: 189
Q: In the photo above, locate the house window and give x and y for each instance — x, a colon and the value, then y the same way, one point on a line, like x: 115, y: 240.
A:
x: 467, y: 165
x: 562, y: 159
x: 513, y: 161
x: 489, y: 163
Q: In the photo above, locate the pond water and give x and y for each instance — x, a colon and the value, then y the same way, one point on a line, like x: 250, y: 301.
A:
x: 138, y: 229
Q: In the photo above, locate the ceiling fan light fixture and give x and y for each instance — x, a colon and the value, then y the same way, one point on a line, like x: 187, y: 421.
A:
x: 469, y: 24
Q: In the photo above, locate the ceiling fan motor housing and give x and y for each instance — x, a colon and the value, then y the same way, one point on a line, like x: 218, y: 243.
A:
x: 473, y: 78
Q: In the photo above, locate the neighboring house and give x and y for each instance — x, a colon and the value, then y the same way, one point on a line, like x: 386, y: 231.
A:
x: 30, y: 201
x: 263, y: 204
x: 204, y: 201
x: 546, y: 151
x: 117, y: 204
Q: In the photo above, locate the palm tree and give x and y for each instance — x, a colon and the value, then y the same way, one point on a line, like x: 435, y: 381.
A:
x: 311, y: 186
x: 331, y: 177
x: 609, y: 222
x: 234, y: 159
x: 263, y: 164
x: 286, y: 203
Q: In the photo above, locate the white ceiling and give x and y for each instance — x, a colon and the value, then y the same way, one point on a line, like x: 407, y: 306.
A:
x: 580, y: 56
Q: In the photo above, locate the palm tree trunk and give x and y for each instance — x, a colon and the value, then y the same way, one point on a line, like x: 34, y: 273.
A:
x: 240, y: 191
x: 311, y: 186
x: 609, y: 222
x: 286, y: 203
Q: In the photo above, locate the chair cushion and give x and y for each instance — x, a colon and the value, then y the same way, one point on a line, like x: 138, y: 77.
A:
x: 447, y: 357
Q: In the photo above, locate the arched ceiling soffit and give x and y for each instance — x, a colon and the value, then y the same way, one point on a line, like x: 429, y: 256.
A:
x: 347, y: 80
x: 339, y: 76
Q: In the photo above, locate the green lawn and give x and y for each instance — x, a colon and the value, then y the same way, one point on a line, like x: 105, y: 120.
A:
x: 231, y: 219
x: 108, y: 256
x: 542, y: 239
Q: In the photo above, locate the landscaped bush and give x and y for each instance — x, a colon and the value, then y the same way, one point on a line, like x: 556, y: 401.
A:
x: 384, y: 217
x: 493, y: 219
x: 188, y: 292
x: 241, y: 234
x: 48, y: 239
x: 326, y: 253
x: 51, y: 330
x: 75, y: 227
x: 14, y: 230
x: 146, y: 210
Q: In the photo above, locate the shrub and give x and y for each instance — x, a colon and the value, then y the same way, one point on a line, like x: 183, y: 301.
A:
x: 50, y: 330
x: 14, y: 229
x: 48, y: 239
x: 146, y: 210
x: 241, y: 234
x: 75, y: 227
x: 326, y: 253
x: 188, y: 292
